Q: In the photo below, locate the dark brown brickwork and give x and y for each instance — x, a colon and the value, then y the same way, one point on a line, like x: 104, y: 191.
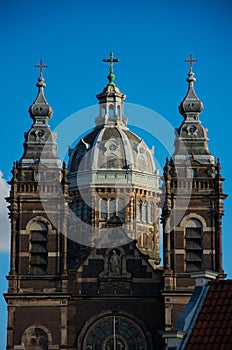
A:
x: 66, y: 291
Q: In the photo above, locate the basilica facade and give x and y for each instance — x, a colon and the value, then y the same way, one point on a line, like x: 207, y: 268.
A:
x: 85, y: 267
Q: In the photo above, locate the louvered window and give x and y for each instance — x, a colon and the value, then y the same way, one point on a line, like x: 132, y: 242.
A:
x: 193, y: 245
x: 38, y: 251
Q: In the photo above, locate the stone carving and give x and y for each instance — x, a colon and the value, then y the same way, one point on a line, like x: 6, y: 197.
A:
x: 37, y: 339
x: 191, y: 130
x: 39, y: 135
x: 115, y: 263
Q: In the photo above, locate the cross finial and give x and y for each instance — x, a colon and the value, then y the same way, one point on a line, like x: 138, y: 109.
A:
x: 191, y: 60
x: 111, y: 60
x: 41, y: 66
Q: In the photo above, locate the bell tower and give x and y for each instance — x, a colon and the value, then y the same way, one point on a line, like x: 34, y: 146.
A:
x: 38, y: 214
x: 193, y: 207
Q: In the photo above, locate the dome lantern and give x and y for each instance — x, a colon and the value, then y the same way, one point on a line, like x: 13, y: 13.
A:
x: 111, y: 101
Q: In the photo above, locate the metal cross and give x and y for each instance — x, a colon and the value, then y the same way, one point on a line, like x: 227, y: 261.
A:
x: 41, y: 66
x: 191, y: 61
x: 111, y: 60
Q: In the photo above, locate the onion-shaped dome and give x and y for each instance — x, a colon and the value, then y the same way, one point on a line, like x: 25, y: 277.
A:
x: 40, y: 108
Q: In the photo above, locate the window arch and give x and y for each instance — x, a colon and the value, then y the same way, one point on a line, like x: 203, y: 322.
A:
x: 100, y: 334
x: 79, y: 209
x: 118, y: 111
x: 111, y: 111
x: 139, y: 210
x: 144, y: 211
x: 150, y: 214
x: 38, y: 251
x: 121, y: 208
x: 112, y: 208
x: 193, y: 244
x: 36, y: 338
x: 104, y: 209
x: 85, y: 210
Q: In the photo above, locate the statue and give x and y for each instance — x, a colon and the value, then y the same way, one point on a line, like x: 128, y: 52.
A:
x: 115, y: 264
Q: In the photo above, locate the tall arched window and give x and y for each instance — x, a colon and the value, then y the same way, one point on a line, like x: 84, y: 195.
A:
x: 111, y: 111
x: 118, y: 111
x: 104, y: 209
x: 85, y: 212
x: 79, y: 209
x: 112, y: 208
x: 193, y: 244
x: 121, y: 208
x: 150, y: 214
x: 38, y: 251
x: 144, y: 212
x: 139, y: 210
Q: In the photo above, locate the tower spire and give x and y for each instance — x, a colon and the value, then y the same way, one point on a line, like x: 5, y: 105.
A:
x: 40, y: 109
x: 191, y: 106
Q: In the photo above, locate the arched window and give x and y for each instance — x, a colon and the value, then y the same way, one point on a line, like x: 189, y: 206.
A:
x: 85, y: 212
x: 144, y: 212
x: 104, y: 210
x: 103, y: 112
x: 38, y: 251
x: 112, y: 208
x: 111, y: 112
x: 150, y: 214
x: 128, y: 334
x: 121, y: 208
x: 193, y: 244
x: 79, y: 209
x: 139, y: 210
x: 36, y: 339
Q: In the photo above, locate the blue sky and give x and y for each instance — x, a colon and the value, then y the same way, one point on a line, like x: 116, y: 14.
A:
x: 152, y: 40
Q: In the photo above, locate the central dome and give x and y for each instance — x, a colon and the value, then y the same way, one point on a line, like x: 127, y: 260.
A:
x: 112, y: 148
x: 111, y: 152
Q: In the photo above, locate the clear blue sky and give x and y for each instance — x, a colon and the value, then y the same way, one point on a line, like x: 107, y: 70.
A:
x: 151, y: 38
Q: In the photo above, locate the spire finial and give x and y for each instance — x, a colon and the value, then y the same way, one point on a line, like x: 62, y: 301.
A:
x: 40, y: 108
x: 191, y: 79
x: 111, y: 60
x: 41, y: 66
x: 191, y: 60
x: 191, y: 103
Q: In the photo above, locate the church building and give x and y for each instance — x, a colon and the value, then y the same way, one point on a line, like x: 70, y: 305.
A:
x: 85, y: 268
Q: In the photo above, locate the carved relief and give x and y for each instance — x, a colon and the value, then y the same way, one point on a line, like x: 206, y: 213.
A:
x: 115, y: 275
x: 191, y: 130
x: 36, y: 339
x: 39, y: 135
x: 115, y: 264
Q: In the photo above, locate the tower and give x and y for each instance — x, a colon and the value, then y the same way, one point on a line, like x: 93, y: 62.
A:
x: 193, y: 207
x: 37, y: 281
